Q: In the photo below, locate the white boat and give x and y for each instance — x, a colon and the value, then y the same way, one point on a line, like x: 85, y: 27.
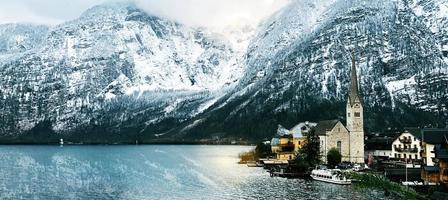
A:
x: 412, y: 183
x: 330, y: 176
x: 61, y: 141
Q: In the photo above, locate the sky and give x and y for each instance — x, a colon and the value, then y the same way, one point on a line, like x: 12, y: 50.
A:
x: 208, y: 13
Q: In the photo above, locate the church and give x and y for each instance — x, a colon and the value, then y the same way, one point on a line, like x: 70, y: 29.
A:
x: 349, y: 139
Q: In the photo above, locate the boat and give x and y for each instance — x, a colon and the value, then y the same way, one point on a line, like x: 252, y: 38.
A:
x: 61, y: 141
x: 330, y: 176
x: 412, y: 183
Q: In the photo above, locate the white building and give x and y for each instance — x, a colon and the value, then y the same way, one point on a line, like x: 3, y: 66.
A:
x: 407, y: 146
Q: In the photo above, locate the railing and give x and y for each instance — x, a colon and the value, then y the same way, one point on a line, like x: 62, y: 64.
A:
x: 412, y: 150
x: 405, y: 140
x: 288, y: 144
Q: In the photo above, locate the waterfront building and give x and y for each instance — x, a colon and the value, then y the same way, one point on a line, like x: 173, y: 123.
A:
x: 442, y: 158
x: 379, y: 145
x: 407, y: 146
x: 287, y: 142
x: 348, y: 140
x: 434, y: 145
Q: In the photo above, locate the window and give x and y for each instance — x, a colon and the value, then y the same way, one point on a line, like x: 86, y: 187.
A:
x: 357, y: 114
x: 415, y: 146
x: 396, y: 156
x: 339, y: 129
x: 339, y: 144
x: 348, y: 114
x: 399, y: 155
x: 415, y: 139
x: 410, y: 156
x: 415, y: 156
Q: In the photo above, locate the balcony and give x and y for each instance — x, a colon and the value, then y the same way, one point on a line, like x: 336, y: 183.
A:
x: 405, y: 140
x: 289, y: 146
x: 410, y: 150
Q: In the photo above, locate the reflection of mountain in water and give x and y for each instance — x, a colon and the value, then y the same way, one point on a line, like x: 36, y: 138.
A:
x: 147, y: 172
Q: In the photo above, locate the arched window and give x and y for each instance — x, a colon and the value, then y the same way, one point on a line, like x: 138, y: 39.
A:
x: 339, y: 146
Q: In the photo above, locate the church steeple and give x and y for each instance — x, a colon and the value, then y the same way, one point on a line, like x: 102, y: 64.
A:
x: 354, y: 91
x: 355, y: 118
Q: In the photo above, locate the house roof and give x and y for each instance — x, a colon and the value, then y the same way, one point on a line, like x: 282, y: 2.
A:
x: 379, y: 143
x: 430, y: 135
x: 442, y: 154
x: 298, y: 130
x: 431, y: 168
x: 324, y: 126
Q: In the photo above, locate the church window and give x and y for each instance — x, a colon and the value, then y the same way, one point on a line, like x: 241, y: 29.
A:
x: 357, y: 114
x: 339, y: 144
x: 348, y: 114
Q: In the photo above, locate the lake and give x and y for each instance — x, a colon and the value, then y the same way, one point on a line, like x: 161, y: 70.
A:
x: 150, y: 172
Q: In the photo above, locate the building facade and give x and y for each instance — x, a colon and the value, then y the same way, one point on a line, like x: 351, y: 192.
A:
x: 407, y: 146
x: 333, y: 134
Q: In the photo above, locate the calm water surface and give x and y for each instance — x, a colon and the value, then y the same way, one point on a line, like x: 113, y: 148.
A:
x: 149, y: 172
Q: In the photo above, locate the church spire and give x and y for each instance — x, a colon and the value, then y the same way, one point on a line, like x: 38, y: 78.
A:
x: 354, y: 92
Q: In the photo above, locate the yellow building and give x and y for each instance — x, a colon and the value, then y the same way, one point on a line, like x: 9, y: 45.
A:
x: 288, y: 142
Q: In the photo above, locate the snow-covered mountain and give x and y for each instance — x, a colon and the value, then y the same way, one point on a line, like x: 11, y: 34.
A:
x: 120, y: 74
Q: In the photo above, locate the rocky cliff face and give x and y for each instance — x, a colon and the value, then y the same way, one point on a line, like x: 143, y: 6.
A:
x: 298, y: 67
x: 111, y: 65
x: 120, y: 74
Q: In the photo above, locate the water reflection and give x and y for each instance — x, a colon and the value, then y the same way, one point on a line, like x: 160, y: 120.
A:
x: 149, y: 172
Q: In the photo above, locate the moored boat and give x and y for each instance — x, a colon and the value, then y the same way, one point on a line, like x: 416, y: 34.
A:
x: 330, y: 176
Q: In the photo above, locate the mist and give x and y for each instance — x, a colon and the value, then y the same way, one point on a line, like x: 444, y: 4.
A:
x: 206, y: 13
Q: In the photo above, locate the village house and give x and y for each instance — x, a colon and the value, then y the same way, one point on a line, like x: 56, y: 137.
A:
x: 379, y: 145
x: 288, y: 142
x: 442, y: 158
x: 407, y: 146
x: 349, y: 139
x: 433, y: 141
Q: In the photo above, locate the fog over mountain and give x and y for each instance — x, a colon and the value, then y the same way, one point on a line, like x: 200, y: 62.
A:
x: 121, y: 72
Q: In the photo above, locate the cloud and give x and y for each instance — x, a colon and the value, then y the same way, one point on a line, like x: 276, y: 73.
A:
x: 213, y: 13
x: 209, y: 13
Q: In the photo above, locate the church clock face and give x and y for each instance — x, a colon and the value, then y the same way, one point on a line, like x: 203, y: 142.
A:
x: 356, y: 105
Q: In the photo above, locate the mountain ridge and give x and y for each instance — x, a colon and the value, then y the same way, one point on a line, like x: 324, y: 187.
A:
x: 129, y: 75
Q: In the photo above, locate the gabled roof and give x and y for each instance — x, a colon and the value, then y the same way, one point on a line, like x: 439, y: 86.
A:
x: 298, y: 129
x: 442, y: 154
x: 430, y: 135
x: 431, y: 168
x: 379, y: 143
x: 324, y: 126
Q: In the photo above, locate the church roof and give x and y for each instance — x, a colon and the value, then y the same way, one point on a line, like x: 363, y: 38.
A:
x: 354, y: 90
x: 324, y: 126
